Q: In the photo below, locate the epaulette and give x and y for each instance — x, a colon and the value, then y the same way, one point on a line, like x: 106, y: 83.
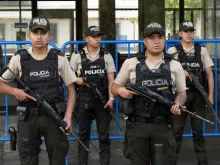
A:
x: 139, y: 55
x: 169, y: 56
x: 16, y: 53
x: 103, y: 50
x: 106, y: 51
x: 132, y: 56
x: 19, y: 51
x: 60, y: 53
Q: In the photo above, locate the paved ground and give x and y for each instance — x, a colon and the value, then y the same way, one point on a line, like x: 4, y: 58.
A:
x: 187, y: 156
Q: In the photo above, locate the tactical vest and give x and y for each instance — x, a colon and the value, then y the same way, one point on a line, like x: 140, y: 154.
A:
x: 193, y: 63
x: 158, y: 80
x: 95, y: 71
x: 42, y: 76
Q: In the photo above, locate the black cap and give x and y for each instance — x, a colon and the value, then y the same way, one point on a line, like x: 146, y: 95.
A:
x: 152, y: 28
x: 39, y: 22
x: 186, y: 25
x: 93, y: 31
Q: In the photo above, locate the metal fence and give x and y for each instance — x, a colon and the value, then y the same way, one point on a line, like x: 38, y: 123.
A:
x: 117, y: 57
x: 169, y: 43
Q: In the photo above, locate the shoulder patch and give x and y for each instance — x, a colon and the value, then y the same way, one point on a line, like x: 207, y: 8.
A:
x: 132, y: 56
x: 60, y: 53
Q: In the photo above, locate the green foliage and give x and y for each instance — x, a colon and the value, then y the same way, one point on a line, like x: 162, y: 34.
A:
x: 133, y: 20
x: 187, y: 3
x: 174, y: 4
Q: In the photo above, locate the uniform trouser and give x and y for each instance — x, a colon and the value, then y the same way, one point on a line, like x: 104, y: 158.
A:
x: 141, y: 138
x: 103, y: 118
x: 194, y: 104
x: 29, y: 140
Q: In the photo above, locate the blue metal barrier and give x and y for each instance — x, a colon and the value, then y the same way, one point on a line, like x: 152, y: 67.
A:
x: 168, y: 44
x: 116, y: 43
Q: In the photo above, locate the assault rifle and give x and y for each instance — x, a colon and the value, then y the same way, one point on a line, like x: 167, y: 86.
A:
x: 201, y: 90
x: 147, y: 93
x: 47, y: 107
x: 98, y: 95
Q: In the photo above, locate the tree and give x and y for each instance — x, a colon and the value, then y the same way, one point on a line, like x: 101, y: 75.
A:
x: 171, y: 5
x: 134, y: 20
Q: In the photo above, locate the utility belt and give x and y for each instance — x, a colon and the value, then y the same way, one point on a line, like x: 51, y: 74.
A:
x: 159, y: 119
x: 191, y: 88
x: 91, y: 95
x: 24, y: 111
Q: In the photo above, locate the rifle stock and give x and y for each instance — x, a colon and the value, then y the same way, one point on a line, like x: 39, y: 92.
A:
x: 149, y: 94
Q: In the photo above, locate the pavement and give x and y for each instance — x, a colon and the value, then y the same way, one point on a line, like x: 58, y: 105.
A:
x: 187, y: 156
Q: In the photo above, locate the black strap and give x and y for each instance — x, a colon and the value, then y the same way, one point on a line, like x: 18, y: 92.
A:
x: 141, y: 58
x: 102, y: 52
x: 24, y: 54
x: 83, y: 55
x: 197, y: 48
x: 53, y: 53
x: 180, y: 50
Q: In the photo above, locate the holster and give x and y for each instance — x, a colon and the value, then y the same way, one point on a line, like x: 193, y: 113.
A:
x: 147, y: 107
x: 22, y: 112
x: 61, y: 108
x: 13, y: 138
x: 127, y: 107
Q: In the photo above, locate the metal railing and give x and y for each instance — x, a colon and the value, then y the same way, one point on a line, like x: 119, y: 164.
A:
x: 168, y: 44
x: 116, y: 43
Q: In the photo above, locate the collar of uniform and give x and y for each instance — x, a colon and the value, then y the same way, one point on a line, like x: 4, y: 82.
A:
x: 32, y: 54
x: 189, y: 49
x: 87, y: 52
x: 157, y: 63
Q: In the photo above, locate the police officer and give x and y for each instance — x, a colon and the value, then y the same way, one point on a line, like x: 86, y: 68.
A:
x: 44, y: 69
x: 196, y: 58
x: 148, y: 124
x: 97, y: 65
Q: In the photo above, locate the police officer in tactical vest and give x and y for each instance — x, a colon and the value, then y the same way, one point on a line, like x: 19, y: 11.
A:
x: 44, y: 70
x: 97, y: 65
x: 147, y: 124
x: 195, y: 58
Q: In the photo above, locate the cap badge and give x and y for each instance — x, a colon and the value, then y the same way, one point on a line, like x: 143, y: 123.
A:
x: 40, y: 21
x: 188, y: 24
x: 95, y: 29
x: 154, y: 25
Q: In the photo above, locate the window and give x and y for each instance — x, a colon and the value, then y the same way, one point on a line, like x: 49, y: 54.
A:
x: 53, y: 31
x: 2, y: 32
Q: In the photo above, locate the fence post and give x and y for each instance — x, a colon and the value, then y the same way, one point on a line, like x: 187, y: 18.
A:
x: 158, y: 154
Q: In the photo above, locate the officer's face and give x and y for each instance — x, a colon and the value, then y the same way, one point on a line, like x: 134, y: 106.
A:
x: 39, y: 38
x: 155, y: 43
x: 93, y: 41
x: 187, y: 35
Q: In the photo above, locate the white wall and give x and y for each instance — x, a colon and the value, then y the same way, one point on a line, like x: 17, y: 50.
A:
x: 63, y: 30
x: 127, y: 28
